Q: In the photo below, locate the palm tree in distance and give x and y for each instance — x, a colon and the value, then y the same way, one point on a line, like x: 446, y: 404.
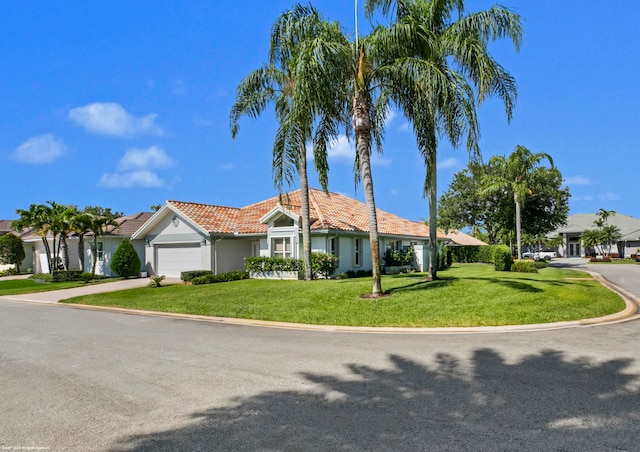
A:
x: 442, y: 64
x: 514, y: 175
x: 300, y: 81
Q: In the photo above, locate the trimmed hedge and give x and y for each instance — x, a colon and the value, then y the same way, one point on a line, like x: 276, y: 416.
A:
x: 263, y: 264
x: 473, y: 254
x: 222, y: 277
x: 189, y: 275
x: 524, y: 267
x: 66, y: 275
x: 502, y: 259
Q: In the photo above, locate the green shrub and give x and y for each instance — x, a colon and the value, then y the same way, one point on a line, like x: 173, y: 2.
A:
x: 125, y: 261
x: 263, y: 264
x: 502, y: 259
x: 449, y: 257
x: 66, y: 275
x: 42, y: 277
x: 188, y: 276
x: 524, y: 267
x: 465, y: 254
x: 323, y: 264
x: 11, y: 250
x: 394, y: 258
x: 9, y: 272
x: 86, y: 277
x: 222, y: 277
x: 155, y: 281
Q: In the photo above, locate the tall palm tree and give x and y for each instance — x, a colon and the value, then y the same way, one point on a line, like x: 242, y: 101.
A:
x: 442, y: 70
x: 37, y: 217
x: 81, y: 224
x: 514, y: 175
x: 300, y: 81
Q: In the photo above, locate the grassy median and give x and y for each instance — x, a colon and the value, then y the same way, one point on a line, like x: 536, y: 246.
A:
x: 466, y: 295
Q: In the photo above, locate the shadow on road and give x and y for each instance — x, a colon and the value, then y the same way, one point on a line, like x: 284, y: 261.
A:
x: 542, y: 402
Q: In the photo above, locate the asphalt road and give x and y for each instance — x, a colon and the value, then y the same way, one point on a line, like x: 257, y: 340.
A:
x: 77, y: 380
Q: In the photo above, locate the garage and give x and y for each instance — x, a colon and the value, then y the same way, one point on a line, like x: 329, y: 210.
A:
x: 174, y: 259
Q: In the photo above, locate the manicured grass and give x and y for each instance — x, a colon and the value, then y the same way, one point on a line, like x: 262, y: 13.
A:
x: 22, y: 286
x: 615, y: 262
x: 466, y: 295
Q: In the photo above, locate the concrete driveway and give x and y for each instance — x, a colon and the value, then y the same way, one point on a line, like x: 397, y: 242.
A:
x: 78, y: 380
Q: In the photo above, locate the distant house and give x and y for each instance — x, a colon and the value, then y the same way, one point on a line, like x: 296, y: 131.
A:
x: 106, y: 246
x: 571, y: 234
x: 190, y: 236
x: 5, y: 226
x: 459, y: 238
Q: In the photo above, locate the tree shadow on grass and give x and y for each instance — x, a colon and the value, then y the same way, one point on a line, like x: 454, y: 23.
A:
x: 542, y: 402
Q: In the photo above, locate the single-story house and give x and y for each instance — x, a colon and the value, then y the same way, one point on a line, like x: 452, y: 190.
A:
x: 106, y: 245
x: 185, y: 236
x: 571, y: 234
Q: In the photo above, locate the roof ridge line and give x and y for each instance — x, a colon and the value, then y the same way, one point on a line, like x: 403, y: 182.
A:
x: 312, y: 198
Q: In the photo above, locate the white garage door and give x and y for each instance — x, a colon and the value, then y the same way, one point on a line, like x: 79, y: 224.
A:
x: 173, y: 259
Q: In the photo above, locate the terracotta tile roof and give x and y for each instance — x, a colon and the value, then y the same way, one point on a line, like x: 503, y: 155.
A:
x: 129, y: 224
x: 209, y: 217
x: 330, y: 211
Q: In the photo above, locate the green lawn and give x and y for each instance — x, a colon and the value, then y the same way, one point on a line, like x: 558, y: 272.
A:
x: 22, y: 286
x: 466, y: 295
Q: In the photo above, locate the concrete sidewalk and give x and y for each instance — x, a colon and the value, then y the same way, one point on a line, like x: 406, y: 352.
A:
x: 54, y: 296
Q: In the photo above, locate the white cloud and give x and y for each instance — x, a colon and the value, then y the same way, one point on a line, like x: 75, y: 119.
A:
x: 577, y: 180
x: 145, y: 159
x: 107, y: 118
x: 179, y: 88
x: 609, y: 196
x: 404, y: 127
x: 142, y: 179
x: 377, y: 159
x: 342, y: 149
x: 448, y: 163
x: 40, y: 150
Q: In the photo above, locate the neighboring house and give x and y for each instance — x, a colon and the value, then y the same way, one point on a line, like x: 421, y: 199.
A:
x: 459, y: 238
x: 185, y: 236
x: 5, y: 226
x: 107, y: 244
x: 571, y: 234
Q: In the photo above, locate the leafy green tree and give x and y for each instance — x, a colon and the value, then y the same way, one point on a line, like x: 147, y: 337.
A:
x: 466, y: 205
x: 441, y: 71
x: 11, y: 250
x: 125, y: 261
x: 300, y: 83
x: 515, y: 175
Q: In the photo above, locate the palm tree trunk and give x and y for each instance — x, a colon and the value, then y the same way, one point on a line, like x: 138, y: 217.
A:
x: 47, y: 249
x: 362, y: 127
x: 433, y: 218
x: 304, y: 201
x: 65, y: 251
x: 94, y: 254
x: 81, y: 251
x: 518, y: 225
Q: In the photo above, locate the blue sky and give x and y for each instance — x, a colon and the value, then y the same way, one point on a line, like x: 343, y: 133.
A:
x: 125, y: 105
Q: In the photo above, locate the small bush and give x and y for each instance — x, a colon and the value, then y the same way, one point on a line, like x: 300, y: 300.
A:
x: 222, y: 277
x: 323, y: 264
x: 9, y: 272
x: 263, y: 264
x: 155, y: 281
x: 524, y: 267
x: 188, y: 276
x: 86, y: 277
x: 66, y: 275
x: 604, y: 259
x: 125, y: 261
x: 393, y: 258
x: 42, y: 277
x: 502, y: 259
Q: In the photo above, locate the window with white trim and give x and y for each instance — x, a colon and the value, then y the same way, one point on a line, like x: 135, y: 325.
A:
x: 100, y: 251
x: 332, y: 247
x: 281, y: 247
x: 357, y: 253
